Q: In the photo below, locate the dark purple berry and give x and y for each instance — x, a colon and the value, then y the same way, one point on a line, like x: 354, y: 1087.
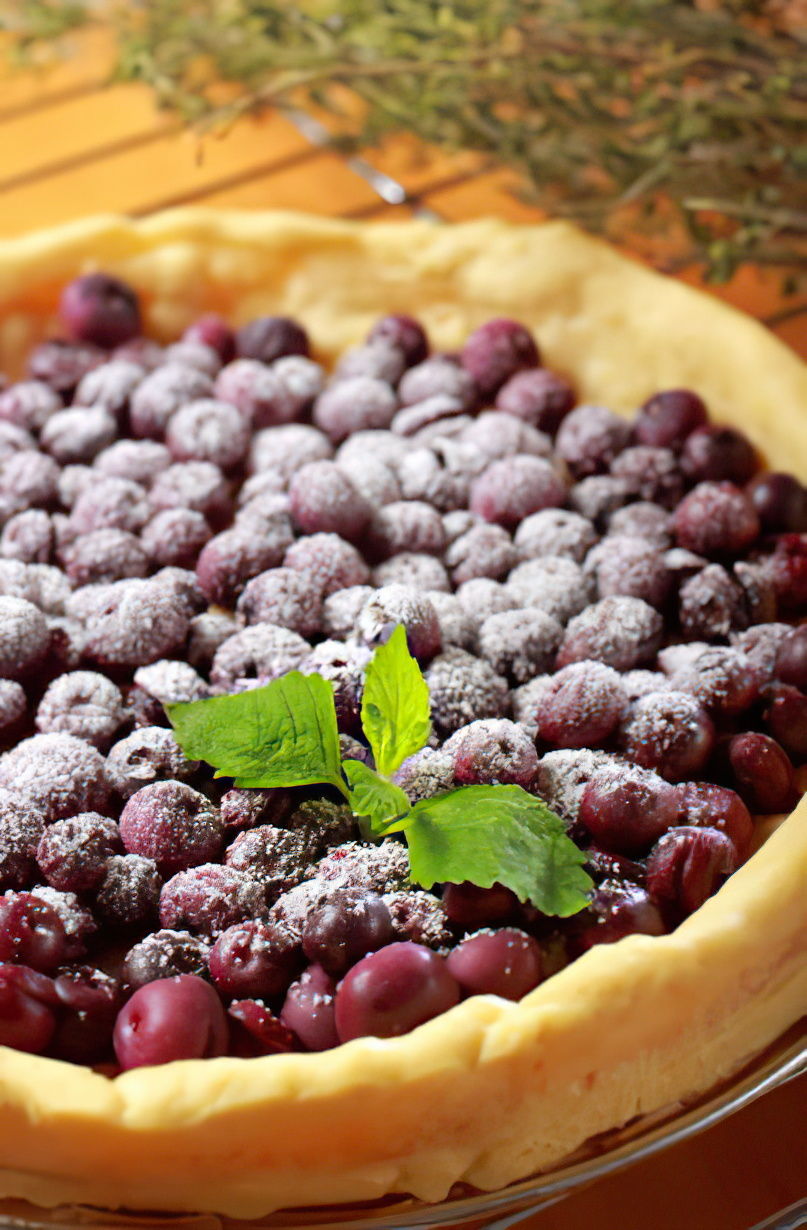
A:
x: 392, y: 991
x: 255, y: 1030
x: 89, y: 1001
x: 786, y: 719
x: 495, y: 351
x: 210, y: 899
x: 505, y: 963
x: 762, y: 771
x: 468, y: 906
x: 514, y: 487
x: 715, y: 519
x: 791, y: 659
x: 718, y: 454
x: 324, y: 500
x: 616, y: 911
x: 174, y: 1018
x: 101, y: 309
x: 538, y: 396
x: 31, y: 933
x: 82, y: 703
x: 350, y: 924
x: 233, y: 557
x: 780, y: 501
x: 621, y: 631
x: 172, y: 824
x: 211, y: 330
x: 63, y: 364
x: 708, y: 806
x: 403, y: 332
x: 129, y: 893
x: 254, y: 960
x: 271, y: 337
x: 163, y: 954
x: 670, y: 732
x: 72, y: 854
x: 309, y: 1010
x: 27, y: 1001
x: 687, y: 865
x: 582, y: 705
x: 57, y: 774
x: 666, y: 419
x: 627, y: 810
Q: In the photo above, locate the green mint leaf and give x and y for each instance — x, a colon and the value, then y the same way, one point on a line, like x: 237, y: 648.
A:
x: 283, y: 734
x: 489, y: 834
x: 395, y: 711
x: 374, y: 797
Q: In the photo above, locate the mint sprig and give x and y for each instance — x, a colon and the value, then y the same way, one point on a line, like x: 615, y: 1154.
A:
x: 285, y: 734
x: 395, y: 709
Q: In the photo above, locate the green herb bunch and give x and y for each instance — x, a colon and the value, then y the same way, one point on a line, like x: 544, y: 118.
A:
x: 285, y: 734
x: 670, y: 119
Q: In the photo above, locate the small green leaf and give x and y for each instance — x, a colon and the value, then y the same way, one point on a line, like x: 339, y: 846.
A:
x: 490, y: 834
x: 374, y: 796
x: 283, y: 734
x: 395, y: 709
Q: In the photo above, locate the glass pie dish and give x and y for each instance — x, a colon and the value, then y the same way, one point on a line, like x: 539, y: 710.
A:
x: 595, y: 1047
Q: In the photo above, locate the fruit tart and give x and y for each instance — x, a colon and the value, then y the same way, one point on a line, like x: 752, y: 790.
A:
x: 505, y: 536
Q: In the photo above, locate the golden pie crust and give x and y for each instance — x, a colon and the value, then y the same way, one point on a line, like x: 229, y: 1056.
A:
x: 492, y: 1091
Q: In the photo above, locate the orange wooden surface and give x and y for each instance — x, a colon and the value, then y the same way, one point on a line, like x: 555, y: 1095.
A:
x: 69, y: 146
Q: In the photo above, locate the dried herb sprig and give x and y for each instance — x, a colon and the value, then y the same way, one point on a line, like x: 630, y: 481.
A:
x: 667, y: 119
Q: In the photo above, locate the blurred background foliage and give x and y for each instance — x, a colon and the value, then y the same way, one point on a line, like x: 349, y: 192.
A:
x: 682, y: 125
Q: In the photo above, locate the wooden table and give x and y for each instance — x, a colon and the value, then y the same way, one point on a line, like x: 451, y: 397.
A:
x: 70, y: 145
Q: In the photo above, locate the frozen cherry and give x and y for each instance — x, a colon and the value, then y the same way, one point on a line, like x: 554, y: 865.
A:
x: 357, y: 403
x: 496, y: 351
x: 208, y: 430
x: 329, y: 561
x: 762, y: 771
x: 791, y: 658
x: 492, y: 752
x: 101, y: 309
x: 350, y: 924
x: 715, y: 519
x: 616, y: 911
x: 708, y: 806
x: 780, y: 501
x: 589, y: 439
x: 57, y: 774
x: 324, y: 500
x: 24, y: 637
x: 582, y: 705
x: 718, y: 454
x: 211, y: 330
x: 63, y: 364
x: 627, y: 810
x: 254, y: 960
x: 538, y: 396
x: 309, y: 1009
x: 669, y: 731
x: 72, y: 854
x: 175, y: 537
x: 270, y: 337
x: 666, y: 419
x: 210, y: 899
x: 403, y: 332
x: 27, y: 1000
x: 129, y: 892
x: 173, y: 1018
x: 173, y: 824
x: 233, y: 557
x: 392, y: 991
x: 688, y: 864
x: 255, y: 1030
x: 505, y: 962
x: 621, y: 631
x: 89, y: 1001
x: 514, y: 487
x: 466, y: 905
x: 31, y: 933
x: 786, y: 719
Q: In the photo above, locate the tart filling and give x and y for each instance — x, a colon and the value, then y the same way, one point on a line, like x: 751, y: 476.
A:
x: 604, y: 615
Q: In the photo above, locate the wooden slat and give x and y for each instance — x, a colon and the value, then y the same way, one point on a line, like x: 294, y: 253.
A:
x: 322, y: 184
x: 95, y: 125
x: 491, y: 194
x: 138, y: 180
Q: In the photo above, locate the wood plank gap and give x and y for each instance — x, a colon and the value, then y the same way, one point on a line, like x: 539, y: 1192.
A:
x: 228, y: 181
